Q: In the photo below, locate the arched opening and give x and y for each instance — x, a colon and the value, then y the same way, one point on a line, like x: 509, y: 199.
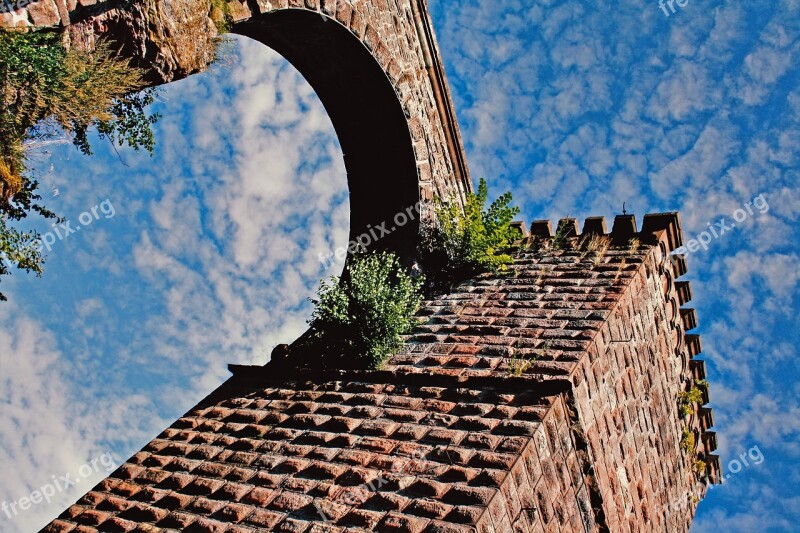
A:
x: 366, y: 113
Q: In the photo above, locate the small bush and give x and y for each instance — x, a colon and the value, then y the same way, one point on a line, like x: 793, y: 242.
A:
x: 518, y: 366
x: 221, y: 15
x: 41, y: 80
x: 700, y: 467
x: 687, y: 399
x: 520, y: 363
x: 687, y: 440
x: 560, y: 241
x: 359, y: 318
x: 464, y: 243
x: 20, y: 249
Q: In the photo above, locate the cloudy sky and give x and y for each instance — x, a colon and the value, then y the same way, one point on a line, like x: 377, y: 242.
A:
x: 205, y: 254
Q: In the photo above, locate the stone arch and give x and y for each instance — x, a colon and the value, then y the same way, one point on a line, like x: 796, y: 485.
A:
x: 374, y: 64
x: 365, y: 112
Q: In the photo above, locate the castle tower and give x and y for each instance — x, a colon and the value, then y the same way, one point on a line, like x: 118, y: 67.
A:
x: 546, y: 399
x: 552, y: 398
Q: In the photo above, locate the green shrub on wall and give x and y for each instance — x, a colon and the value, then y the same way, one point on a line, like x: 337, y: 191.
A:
x: 358, y: 319
x: 687, y: 399
x: 687, y: 440
x: 48, y: 92
x: 464, y: 243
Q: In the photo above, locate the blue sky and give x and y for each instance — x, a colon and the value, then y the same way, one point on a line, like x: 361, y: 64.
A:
x: 575, y: 106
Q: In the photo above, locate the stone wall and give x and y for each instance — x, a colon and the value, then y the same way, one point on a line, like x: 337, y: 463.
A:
x: 542, y: 400
x: 626, y: 393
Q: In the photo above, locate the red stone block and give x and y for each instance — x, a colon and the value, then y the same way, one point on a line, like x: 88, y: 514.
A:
x: 259, y: 496
x: 288, y: 502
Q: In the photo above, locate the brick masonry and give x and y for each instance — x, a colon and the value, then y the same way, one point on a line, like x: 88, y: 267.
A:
x: 545, y: 399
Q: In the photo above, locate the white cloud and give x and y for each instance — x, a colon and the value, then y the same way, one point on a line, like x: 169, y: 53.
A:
x: 38, y: 409
x: 213, y: 252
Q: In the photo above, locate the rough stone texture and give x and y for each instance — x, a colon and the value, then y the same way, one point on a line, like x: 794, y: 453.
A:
x: 175, y: 38
x: 170, y: 38
x: 449, y: 437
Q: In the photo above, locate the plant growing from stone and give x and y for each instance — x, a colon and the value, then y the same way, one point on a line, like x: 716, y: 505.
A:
x: 465, y: 242
x: 359, y: 318
x: 221, y: 15
x: 559, y: 240
x: 620, y: 269
x: 50, y: 92
x: 520, y: 363
x: 687, y: 399
x: 700, y: 467
x: 597, y: 245
x: 687, y: 440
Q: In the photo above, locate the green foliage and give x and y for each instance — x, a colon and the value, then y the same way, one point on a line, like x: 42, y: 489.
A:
x: 521, y: 362
x: 221, y: 15
x: 694, y: 395
x: 687, y: 440
x: 130, y: 124
x: 560, y: 238
x: 700, y: 467
x: 40, y: 79
x: 359, y: 318
x: 477, y: 239
x: 48, y: 91
x: 31, y: 68
x: 20, y: 249
x: 687, y: 399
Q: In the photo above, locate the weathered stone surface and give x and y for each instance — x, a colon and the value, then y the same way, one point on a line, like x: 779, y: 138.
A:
x: 446, y: 442
x: 170, y: 38
x: 44, y: 13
